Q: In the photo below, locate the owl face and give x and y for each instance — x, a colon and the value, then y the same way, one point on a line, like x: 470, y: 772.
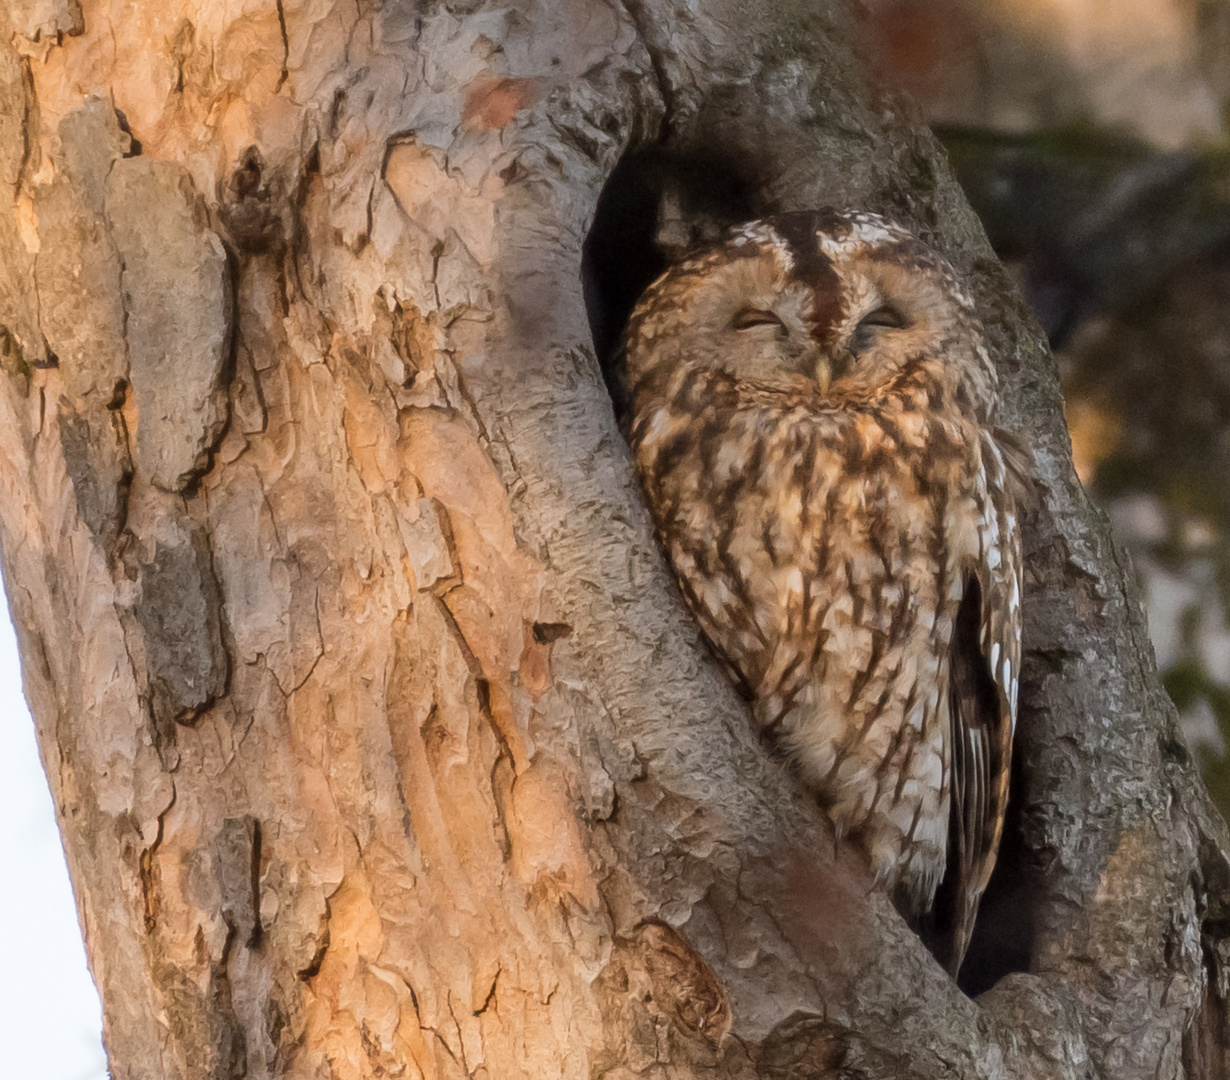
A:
x: 839, y: 302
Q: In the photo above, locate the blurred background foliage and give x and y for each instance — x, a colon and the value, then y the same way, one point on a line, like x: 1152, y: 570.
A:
x: 1093, y: 138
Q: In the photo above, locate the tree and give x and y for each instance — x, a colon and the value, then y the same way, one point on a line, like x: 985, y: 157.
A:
x: 381, y: 742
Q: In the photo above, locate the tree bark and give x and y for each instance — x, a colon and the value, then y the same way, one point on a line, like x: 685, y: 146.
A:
x: 380, y: 739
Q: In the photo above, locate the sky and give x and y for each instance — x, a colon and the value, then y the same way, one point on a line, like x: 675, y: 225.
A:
x: 50, y: 1019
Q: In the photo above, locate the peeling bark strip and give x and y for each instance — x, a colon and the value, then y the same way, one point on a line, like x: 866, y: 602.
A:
x: 177, y: 306
x: 381, y: 742
x: 178, y: 609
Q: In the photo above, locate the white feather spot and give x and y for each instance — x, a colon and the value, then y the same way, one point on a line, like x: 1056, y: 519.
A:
x: 931, y: 829
x: 731, y: 458
x: 794, y: 581
x: 657, y: 427
x: 930, y: 773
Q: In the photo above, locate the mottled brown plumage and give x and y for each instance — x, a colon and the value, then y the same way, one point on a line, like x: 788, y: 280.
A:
x: 812, y: 422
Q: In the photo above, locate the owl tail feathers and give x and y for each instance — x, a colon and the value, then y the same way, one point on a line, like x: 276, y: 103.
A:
x: 946, y: 928
x: 943, y: 917
x: 980, y: 739
x: 946, y: 924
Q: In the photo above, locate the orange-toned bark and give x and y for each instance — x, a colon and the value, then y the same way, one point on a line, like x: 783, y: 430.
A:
x: 381, y: 742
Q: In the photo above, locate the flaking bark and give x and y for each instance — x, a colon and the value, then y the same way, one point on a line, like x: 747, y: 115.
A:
x: 381, y: 741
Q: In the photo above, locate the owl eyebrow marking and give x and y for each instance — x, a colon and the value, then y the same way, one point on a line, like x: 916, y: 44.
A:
x: 815, y: 269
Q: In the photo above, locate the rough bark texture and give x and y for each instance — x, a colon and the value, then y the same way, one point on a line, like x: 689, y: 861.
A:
x: 381, y: 741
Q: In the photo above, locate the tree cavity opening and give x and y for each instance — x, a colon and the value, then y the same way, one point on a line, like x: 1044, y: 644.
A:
x: 655, y: 205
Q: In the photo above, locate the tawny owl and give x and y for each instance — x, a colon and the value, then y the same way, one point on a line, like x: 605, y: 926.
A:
x: 812, y: 422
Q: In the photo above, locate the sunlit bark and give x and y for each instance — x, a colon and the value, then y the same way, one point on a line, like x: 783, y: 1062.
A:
x: 381, y: 742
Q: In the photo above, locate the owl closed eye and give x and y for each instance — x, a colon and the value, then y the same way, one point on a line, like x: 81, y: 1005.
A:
x: 812, y: 423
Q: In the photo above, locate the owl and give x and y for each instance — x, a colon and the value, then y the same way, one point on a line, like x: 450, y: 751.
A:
x: 812, y: 422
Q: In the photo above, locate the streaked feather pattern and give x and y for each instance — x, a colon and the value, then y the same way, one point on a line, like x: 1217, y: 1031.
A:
x: 812, y: 424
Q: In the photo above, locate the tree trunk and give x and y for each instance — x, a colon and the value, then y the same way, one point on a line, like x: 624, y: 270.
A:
x: 381, y: 741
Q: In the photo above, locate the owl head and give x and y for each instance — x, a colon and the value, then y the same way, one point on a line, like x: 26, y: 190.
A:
x: 843, y: 303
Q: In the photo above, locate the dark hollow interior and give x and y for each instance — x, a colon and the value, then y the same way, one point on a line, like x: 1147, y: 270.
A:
x: 621, y: 255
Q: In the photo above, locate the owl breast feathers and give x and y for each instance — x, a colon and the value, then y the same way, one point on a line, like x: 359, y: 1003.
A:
x: 812, y: 423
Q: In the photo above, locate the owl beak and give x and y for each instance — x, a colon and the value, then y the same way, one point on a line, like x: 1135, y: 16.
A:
x: 824, y: 372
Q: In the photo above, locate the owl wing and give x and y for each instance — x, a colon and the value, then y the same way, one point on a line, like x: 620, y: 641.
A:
x: 984, y: 673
